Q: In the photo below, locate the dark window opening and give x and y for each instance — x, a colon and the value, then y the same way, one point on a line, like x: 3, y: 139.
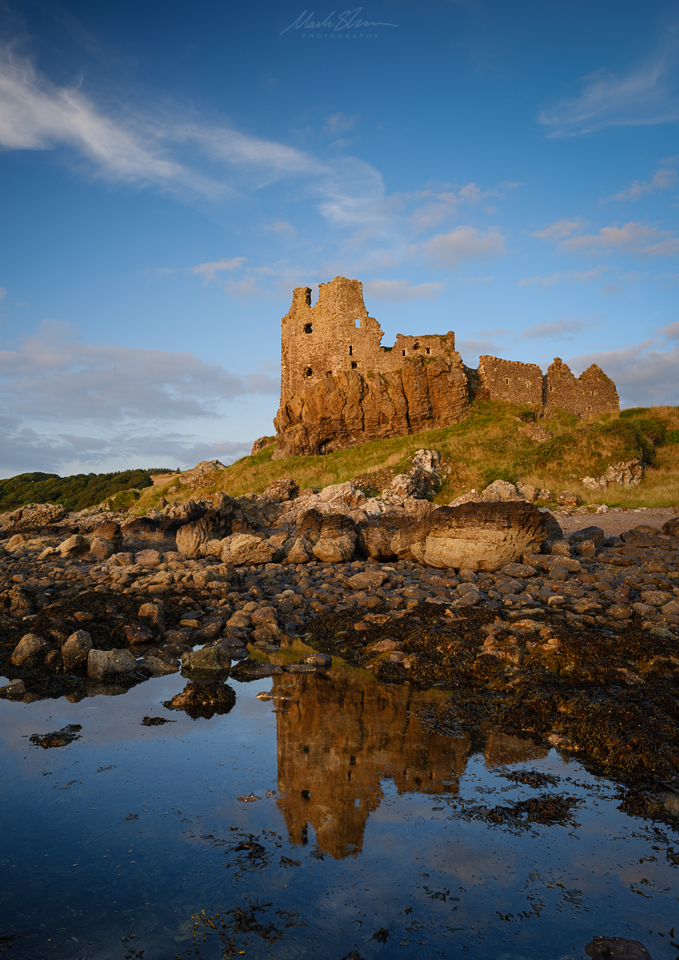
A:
x: 428, y: 350
x: 404, y: 353
x: 309, y: 328
x: 351, y: 351
x: 507, y: 380
x: 308, y: 372
x: 353, y: 364
x: 306, y: 794
x: 417, y: 345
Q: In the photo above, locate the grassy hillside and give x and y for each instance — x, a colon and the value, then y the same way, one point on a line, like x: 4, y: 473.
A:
x: 493, y: 442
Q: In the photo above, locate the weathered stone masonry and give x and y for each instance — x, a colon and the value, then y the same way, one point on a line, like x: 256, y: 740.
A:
x: 340, y: 386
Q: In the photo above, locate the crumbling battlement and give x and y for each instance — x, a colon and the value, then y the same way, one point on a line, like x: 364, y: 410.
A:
x: 340, y: 386
x: 337, y: 335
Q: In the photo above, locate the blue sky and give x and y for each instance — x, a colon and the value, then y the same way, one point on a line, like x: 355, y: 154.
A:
x: 170, y: 172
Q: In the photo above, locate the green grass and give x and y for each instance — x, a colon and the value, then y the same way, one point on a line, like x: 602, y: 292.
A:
x: 486, y: 446
x: 76, y: 492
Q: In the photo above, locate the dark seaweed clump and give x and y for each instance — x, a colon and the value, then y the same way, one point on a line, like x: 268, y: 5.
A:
x: 606, y: 692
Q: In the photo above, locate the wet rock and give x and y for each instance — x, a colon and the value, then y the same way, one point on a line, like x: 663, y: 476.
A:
x: 473, y: 536
x: 321, y: 660
x: 136, y: 633
x: 58, y: 738
x: 154, y: 613
x: 104, y: 664
x: 616, y: 948
x: 14, y: 690
x: 254, y: 670
x: 203, y: 699
x: 156, y: 667
x: 210, y: 661
x: 371, y: 579
x: 75, y: 651
x: 30, y: 651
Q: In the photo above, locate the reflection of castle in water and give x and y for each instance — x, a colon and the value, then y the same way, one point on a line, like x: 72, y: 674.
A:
x: 344, y: 735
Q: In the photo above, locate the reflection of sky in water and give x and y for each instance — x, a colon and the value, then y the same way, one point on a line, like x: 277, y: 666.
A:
x: 128, y: 831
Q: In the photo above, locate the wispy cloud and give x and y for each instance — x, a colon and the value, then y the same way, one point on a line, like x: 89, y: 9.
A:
x: 634, y: 237
x: 210, y: 270
x: 586, y: 277
x: 642, y: 97
x: 338, y: 123
x: 663, y: 179
x: 645, y: 373
x: 55, y: 370
x: 565, y: 329
x: 464, y: 243
x: 402, y: 290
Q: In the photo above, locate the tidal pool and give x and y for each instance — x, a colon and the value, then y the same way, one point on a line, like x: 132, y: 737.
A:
x: 370, y: 837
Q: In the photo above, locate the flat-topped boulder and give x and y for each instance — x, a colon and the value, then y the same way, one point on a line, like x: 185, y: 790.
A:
x: 473, y: 536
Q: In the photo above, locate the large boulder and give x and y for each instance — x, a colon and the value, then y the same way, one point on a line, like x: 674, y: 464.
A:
x: 30, y: 651
x: 192, y: 537
x: 337, y: 539
x: 207, y: 662
x: 74, y: 546
x: 104, y: 664
x: 242, y: 549
x: 75, y: 651
x: 473, y: 536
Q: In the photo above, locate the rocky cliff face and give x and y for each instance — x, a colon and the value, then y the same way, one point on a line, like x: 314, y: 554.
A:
x: 347, y: 408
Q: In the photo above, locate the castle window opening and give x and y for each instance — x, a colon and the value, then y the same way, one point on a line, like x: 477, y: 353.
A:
x: 351, y: 351
x: 358, y: 323
x: 404, y: 353
x: 308, y: 372
x: 353, y: 364
x: 507, y: 380
x: 417, y: 345
x: 428, y: 350
x: 527, y: 384
x: 309, y: 328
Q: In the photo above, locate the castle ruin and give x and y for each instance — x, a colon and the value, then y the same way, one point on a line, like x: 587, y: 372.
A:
x: 340, y: 386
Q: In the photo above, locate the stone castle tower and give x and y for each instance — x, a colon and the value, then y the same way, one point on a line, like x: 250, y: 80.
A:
x: 341, y: 387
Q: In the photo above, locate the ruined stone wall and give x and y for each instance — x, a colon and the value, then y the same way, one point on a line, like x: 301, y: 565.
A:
x: 340, y: 386
x: 510, y: 380
x: 590, y: 393
x: 337, y: 334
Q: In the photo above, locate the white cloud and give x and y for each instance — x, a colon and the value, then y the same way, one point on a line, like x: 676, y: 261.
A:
x: 594, y: 274
x: 633, y: 237
x: 464, y: 243
x: 645, y: 373
x: 559, y: 229
x: 401, y: 289
x: 3, y: 293
x: 636, y: 238
x: 471, y: 350
x: 671, y: 332
x: 55, y: 371
x: 641, y: 98
x: 281, y: 226
x: 565, y: 329
x: 661, y: 180
x: 210, y: 270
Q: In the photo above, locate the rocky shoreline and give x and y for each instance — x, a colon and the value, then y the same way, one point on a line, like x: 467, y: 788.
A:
x: 574, y: 639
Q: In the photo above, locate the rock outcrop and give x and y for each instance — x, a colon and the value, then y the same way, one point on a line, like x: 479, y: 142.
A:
x: 473, y: 536
x: 341, y: 387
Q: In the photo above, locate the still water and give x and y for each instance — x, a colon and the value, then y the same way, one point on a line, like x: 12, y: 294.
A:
x: 369, y: 838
